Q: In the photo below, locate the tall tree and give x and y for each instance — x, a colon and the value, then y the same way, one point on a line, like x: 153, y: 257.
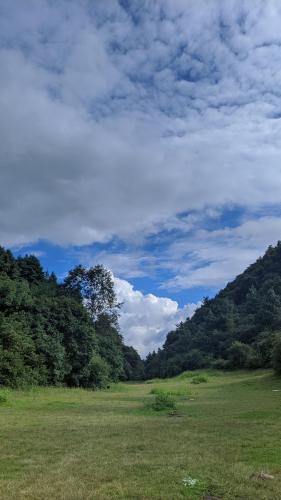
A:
x: 96, y: 287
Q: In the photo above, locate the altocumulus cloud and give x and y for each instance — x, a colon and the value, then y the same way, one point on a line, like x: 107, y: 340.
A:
x: 161, y: 107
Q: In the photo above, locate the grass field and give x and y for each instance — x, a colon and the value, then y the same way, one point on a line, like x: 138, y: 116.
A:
x: 74, y: 444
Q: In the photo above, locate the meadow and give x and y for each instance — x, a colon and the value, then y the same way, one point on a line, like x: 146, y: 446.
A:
x: 74, y: 444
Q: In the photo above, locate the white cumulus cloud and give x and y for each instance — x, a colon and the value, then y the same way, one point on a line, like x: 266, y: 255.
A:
x: 145, y: 318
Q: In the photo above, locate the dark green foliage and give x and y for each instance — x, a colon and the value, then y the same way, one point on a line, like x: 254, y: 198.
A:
x: 95, y: 285
x: 133, y: 365
x: 276, y: 354
x: 96, y: 373
x: 8, y: 264
x: 110, y: 346
x: 18, y: 357
x: 49, y: 337
x: 152, y: 365
x: 236, y: 329
x: 220, y: 364
x: 195, y: 359
x: 30, y: 269
x: 243, y: 356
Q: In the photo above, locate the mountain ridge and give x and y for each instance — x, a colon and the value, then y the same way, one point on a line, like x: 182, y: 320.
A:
x: 238, y: 328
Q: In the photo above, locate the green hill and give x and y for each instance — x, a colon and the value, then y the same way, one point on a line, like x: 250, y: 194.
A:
x: 239, y: 328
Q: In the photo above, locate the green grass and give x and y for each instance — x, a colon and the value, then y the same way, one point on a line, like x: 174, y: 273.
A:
x: 73, y: 444
x: 199, y: 379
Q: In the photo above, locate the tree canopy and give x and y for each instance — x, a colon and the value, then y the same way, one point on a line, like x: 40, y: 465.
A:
x: 53, y: 334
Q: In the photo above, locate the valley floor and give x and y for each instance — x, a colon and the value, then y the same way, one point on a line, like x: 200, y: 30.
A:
x: 73, y: 444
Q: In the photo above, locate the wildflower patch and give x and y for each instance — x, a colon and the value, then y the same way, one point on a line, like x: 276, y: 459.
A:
x: 190, y: 481
x: 195, y: 485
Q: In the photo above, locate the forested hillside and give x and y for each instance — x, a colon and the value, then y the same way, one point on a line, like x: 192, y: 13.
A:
x: 60, y: 334
x: 67, y: 333
x: 239, y: 328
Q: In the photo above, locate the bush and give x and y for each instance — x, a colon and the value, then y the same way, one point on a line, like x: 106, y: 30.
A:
x: 185, y: 375
x: 178, y: 393
x: 163, y: 401
x: 220, y: 364
x: 264, y: 346
x: 96, y: 373
x: 243, y: 356
x: 200, y: 379
x: 173, y: 367
x: 276, y: 354
x: 3, y: 398
x: 195, y: 360
x: 156, y: 390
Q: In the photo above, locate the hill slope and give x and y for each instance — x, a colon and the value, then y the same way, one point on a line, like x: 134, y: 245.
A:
x: 239, y: 328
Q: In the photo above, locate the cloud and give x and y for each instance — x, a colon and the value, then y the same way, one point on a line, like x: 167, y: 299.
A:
x: 212, y: 258
x: 145, y: 318
x: 124, y: 263
x: 116, y: 116
x: 188, y: 253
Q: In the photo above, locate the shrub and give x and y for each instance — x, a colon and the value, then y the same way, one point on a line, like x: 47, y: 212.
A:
x: 220, y: 364
x: 195, y: 360
x: 163, y: 401
x: 185, y: 375
x: 179, y: 393
x: 173, y: 367
x: 156, y: 390
x: 3, y: 398
x: 200, y: 379
x: 264, y: 346
x: 96, y: 373
x: 276, y: 354
x: 243, y: 356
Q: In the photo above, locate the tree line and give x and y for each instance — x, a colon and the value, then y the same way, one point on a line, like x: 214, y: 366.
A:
x: 239, y: 328
x: 67, y: 333
x: 60, y: 333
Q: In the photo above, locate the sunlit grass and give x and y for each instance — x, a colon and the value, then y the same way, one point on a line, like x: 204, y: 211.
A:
x: 74, y: 444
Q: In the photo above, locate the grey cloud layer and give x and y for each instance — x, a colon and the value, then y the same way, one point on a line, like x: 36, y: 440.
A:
x: 113, y: 121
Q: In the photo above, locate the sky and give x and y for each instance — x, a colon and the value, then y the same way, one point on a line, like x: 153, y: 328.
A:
x: 144, y: 136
